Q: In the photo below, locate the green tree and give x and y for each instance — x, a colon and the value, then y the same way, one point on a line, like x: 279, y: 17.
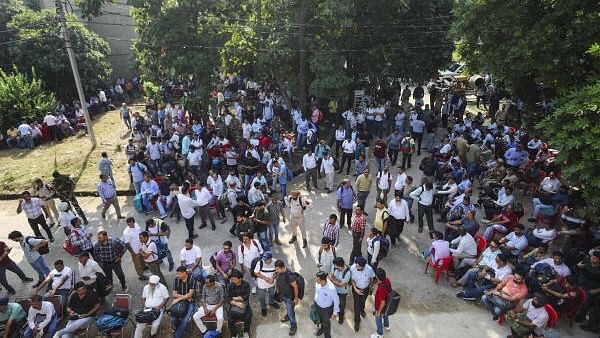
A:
x: 8, y: 9
x: 22, y: 97
x: 39, y: 44
x: 526, y: 42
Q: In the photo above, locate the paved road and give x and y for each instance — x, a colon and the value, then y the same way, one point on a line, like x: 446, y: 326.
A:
x: 426, y: 309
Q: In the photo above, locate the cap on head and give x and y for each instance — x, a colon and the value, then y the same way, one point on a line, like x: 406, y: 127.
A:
x: 154, y: 279
x: 267, y: 255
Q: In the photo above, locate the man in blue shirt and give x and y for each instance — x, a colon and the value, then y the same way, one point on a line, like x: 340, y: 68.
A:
x: 345, y: 200
x: 515, y: 157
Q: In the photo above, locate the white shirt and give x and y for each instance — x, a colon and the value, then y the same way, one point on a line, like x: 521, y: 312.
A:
x: 384, y: 180
x: 47, y: 310
x: 89, y: 270
x: 340, y: 134
x: 249, y: 253
x: 194, y: 157
x: 545, y: 235
x: 246, y: 130
x: 349, y: 147
x: 327, y: 165
x: 50, y: 120
x: 550, y: 184
x: 309, y: 162
x: 153, y: 151
x: 131, y: 236
x: 361, y: 278
x: 561, y: 270
x: 268, y: 271
x: 400, y: 181
x: 326, y: 296
x: 189, y: 257
x: 398, y: 209
x: 156, y: 297
x: 215, y: 184
x: 150, y: 248
x: 538, y: 316
x: 203, y: 196
x: 422, y: 195
x: 466, y: 245
x: 25, y: 129
x: 449, y: 190
x: 58, y: 277
x: 186, y: 205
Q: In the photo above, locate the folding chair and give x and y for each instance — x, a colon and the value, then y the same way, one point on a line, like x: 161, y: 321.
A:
x: 122, y: 301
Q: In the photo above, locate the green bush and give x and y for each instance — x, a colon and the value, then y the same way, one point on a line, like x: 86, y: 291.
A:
x: 22, y: 97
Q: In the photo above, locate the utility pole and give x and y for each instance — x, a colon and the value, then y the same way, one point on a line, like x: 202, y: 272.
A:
x: 63, y: 25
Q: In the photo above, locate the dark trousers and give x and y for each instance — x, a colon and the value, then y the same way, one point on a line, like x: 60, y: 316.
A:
x: 406, y: 160
x: 319, y: 161
x: 345, y: 215
x: 189, y: 224
x: 311, y: 174
x: 419, y: 139
x: 393, y: 155
x: 395, y: 228
x: 346, y: 158
x: 427, y: 211
x: 325, y: 318
x: 109, y: 267
x: 11, y: 266
x: 359, y: 305
x: 234, y: 318
x: 34, y: 223
x: 356, y: 246
x: 342, y: 297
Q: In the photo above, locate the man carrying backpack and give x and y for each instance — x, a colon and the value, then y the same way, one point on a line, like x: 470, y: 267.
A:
x: 384, y: 287
x: 407, y: 146
x: 264, y: 271
x: 340, y: 277
x: 288, y: 288
x: 377, y: 247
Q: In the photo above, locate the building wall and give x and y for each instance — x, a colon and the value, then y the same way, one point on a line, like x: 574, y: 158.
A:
x: 116, y: 26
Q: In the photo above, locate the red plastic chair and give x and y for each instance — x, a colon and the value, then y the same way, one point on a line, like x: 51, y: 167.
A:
x: 552, y: 316
x: 442, y: 264
x: 481, y: 244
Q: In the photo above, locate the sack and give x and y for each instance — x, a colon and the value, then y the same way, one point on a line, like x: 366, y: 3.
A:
x: 391, y: 302
x: 42, y: 249
x: 147, y: 315
x: 224, y: 201
x: 137, y: 203
x: 299, y: 281
x: 107, y: 323
x: 70, y: 248
x: 253, y: 264
x: 314, y: 314
x: 104, y: 286
x: 161, y: 248
x: 518, y: 209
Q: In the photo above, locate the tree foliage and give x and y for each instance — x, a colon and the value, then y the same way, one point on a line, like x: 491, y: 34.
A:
x: 38, y: 43
x: 525, y: 42
x: 22, y: 97
x: 574, y: 129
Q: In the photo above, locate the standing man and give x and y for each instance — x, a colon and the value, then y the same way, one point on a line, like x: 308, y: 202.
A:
x: 309, y: 163
x: 359, y: 222
x: 187, y: 207
x: 362, y: 279
x: 407, y: 147
x: 320, y: 150
x: 125, y: 115
x: 418, y: 128
x: 394, y: 145
x: 8, y: 264
x: 287, y: 288
x: 50, y: 121
x: 45, y: 192
x: 379, y: 151
x: 265, y: 279
x: 328, y: 303
x: 345, y: 200
x: 136, y: 172
x: 108, y: 252
x: 30, y: 247
x: 384, y: 286
x: 203, y: 196
x: 154, y: 296
x: 105, y: 166
x: 149, y: 253
x: 65, y: 189
x: 108, y: 195
x: 340, y: 277
x: 297, y: 217
x: 363, y: 187
x: 35, y: 209
x: 399, y: 212
x: 424, y: 196
x: 348, y: 149
x: 131, y: 238
x: 248, y: 250
x: 384, y: 182
x: 328, y: 168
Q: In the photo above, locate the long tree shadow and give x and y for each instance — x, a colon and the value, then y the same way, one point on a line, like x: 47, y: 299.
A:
x: 84, y: 164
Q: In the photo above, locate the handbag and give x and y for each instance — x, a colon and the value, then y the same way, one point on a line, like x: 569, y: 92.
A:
x: 314, y: 314
x: 147, y: 315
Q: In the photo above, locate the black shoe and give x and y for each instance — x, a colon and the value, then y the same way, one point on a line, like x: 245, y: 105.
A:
x: 27, y: 280
x: 202, y: 226
x: 291, y: 241
x: 194, y: 236
x: 11, y: 291
x: 213, y: 227
x: 420, y: 230
x: 51, y: 239
x: 495, y: 318
x: 356, y: 327
x: 232, y: 234
x: 319, y: 332
x: 124, y: 287
x: 275, y: 305
x: 293, y: 331
x: 304, y: 243
x: 263, y: 312
x: 460, y: 294
x: 341, y: 320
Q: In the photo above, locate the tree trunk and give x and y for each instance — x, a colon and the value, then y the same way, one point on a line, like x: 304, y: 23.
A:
x: 304, y: 11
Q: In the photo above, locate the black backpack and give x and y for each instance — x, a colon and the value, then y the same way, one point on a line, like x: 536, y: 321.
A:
x: 299, y: 281
x: 42, y: 249
x: 253, y: 264
x: 391, y: 301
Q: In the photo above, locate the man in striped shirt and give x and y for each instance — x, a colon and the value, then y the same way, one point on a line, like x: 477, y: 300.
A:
x: 108, y: 195
x: 331, y: 230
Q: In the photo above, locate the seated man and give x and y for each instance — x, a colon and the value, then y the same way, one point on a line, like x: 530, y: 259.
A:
x: 494, y: 207
x: 41, y: 318
x: 485, y: 278
x: 463, y: 249
x: 543, y: 235
x: 154, y: 296
x: 502, y: 223
x: 486, y: 259
x: 238, y: 294
x: 212, y: 299
x: 439, y: 248
x: 547, y: 206
x: 184, y: 287
x: 515, y: 242
x: 468, y: 222
x: 530, y: 318
x: 557, y: 263
x: 150, y: 192
x: 191, y: 258
x: 83, y: 306
x: 506, y: 294
x: 12, y: 318
x: 61, y: 278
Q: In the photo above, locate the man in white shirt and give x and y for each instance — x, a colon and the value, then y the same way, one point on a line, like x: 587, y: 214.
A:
x: 348, y: 149
x: 543, y: 235
x: 340, y: 136
x: 384, y: 181
x: 557, y: 263
x: 550, y: 183
x: 41, y: 318
x: 154, y: 296
x: 191, y: 257
x: 131, y: 239
x: 60, y: 280
x: 265, y: 280
x: 88, y: 268
x: 50, y: 121
x: 149, y: 253
x: 248, y: 250
x: 203, y: 196
x: 309, y: 163
x: 328, y: 168
x: 328, y: 303
x: 153, y: 152
x: 26, y: 134
x: 424, y: 197
x: 187, y: 208
x: 400, y: 182
x: 463, y: 249
x: 398, y: 209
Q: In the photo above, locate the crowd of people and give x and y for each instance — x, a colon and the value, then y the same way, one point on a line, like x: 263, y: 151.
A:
x: 177, y: 161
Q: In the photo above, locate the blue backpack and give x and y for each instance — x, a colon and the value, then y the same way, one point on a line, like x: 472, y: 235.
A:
x: 107, y: 323
x: 384, y: 245
x: 212, y: 334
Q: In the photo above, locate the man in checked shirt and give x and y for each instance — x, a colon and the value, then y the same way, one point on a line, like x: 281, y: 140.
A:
x: 359, y: 222
x: 108, y: 252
